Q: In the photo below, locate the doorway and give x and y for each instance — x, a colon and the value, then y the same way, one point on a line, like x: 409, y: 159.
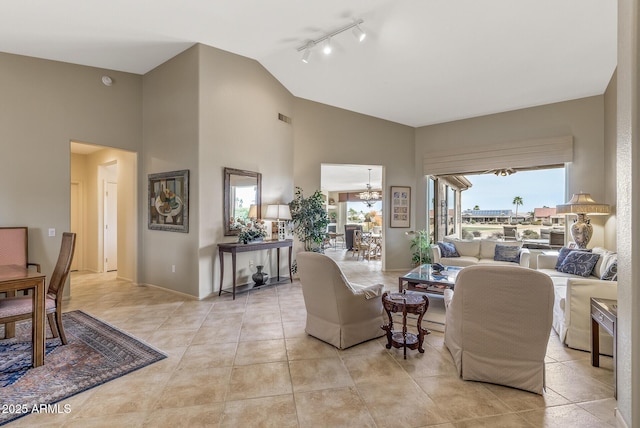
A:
x: 354, y: 200
x: 104, y: 204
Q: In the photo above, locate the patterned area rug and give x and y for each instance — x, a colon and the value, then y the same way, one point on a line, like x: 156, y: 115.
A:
x: 96, y: 353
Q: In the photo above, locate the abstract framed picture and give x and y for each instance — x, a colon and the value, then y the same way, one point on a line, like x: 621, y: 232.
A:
x: 400, y: 213
x: 169, y: 201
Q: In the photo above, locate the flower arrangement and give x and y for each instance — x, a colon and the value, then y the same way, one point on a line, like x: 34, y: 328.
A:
x: 250, y: 230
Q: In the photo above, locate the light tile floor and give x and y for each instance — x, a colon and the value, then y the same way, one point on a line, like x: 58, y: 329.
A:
x: 249, y: 363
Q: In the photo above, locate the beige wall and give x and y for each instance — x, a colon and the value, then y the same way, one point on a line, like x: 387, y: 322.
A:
x: 171, y: 137
x: 628, y: 211
x: 45, y: 105
x: 325, y: 134
x: 583, y: 119
x: 239, y: 128
x: 610, y: 180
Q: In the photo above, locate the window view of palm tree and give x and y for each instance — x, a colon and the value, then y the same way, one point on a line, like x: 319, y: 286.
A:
x: 525, y: 199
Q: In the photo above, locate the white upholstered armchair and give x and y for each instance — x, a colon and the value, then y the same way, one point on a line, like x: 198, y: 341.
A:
x: 338, y: 312
x: 498, y: 320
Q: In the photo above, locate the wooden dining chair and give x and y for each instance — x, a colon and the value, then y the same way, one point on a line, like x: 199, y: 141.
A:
x: 14, y: 247
x: 19, y: 308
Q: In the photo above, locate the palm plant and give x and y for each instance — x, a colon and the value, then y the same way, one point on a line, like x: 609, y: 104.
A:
x: 517, y: 201
x: 420, y: 247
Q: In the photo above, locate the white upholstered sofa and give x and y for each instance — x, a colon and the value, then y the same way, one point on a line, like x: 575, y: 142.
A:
x: 477, y: 251
x: 571, y: 308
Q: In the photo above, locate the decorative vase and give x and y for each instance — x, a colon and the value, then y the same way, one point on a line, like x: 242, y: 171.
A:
x: 260, y: 277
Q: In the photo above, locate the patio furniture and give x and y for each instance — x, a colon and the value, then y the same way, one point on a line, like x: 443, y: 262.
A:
x: 510, y: 233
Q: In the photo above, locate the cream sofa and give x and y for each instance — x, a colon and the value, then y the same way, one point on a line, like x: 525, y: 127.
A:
x: 572, y: 306
x: 477, y: 251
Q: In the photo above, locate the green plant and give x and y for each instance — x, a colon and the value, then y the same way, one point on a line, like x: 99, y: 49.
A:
x: 309, y: 219
x: 420, y: 247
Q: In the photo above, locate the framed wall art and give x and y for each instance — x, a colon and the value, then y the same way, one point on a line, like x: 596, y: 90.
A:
x: 169, y: 201
x: 400, y: 206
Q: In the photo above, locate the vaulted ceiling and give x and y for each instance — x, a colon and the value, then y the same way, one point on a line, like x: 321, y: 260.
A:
x: 422, y: 62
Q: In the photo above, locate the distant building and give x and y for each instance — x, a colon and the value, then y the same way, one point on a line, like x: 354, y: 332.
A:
x: 547, y: 216
x: 492, y: 216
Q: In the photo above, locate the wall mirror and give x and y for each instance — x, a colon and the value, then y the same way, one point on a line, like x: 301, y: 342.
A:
x: 242, y: 198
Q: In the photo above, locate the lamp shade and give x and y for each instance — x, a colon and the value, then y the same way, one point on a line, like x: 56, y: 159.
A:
x: 253, y: 211
x: 582, y: 203
x: 278, y: 212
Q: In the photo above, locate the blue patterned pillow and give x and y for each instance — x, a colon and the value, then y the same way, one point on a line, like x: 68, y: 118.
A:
x: 579, y: 263
x: 562, y: 253
x: 507, y: 253
x: 611, y: 271
x: 447, y: 249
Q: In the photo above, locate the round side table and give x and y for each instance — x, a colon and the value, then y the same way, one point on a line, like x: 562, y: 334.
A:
x: 411, y: 303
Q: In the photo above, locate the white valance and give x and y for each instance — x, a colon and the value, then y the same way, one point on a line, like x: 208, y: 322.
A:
x: 519, y: 154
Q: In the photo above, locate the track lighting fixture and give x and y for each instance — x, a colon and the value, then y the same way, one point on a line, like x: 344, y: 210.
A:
x: 327, y: 48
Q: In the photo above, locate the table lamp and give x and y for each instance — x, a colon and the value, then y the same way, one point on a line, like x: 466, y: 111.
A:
x: 582, y: 204
x: 278, y: 213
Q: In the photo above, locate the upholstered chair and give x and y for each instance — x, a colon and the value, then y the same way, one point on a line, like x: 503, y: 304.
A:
x: 20, y: 308
x: 498, y: 321
x: 338, y: 312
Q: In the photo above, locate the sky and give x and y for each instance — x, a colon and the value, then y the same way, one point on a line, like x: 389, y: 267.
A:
x: 536, y: 188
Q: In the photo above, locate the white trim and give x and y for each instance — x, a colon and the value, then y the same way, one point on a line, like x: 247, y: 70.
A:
x: 514, y: 154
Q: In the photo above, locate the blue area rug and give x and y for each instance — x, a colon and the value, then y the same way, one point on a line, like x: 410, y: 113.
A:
x: 96, y: 353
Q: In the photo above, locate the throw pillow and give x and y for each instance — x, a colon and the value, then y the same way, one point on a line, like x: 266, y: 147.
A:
x: 447, y: 249
x: 579, y: 263
x: 610, y: 272
x: 507, y: 253
x: 562, y: 253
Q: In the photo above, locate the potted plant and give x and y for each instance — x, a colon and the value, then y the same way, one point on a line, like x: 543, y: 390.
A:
x: 421, y: 249
x: 309, y: 219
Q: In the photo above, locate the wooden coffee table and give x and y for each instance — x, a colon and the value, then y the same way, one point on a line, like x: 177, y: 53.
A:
x: 424, y: 279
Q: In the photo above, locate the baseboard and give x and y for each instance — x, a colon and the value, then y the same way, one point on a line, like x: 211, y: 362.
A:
x: 180, y: 293
x: 619, y: 421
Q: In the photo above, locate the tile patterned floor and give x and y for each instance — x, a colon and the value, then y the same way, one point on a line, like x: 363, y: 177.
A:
x: 249, y: 363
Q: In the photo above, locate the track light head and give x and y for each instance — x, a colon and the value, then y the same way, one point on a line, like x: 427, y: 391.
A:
x: 327, y: 46
x: 359, y: 34
x: 306, y: 55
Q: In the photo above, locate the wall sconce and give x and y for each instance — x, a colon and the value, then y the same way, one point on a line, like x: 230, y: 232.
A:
x: 278, y: 213
x: 582, y: 204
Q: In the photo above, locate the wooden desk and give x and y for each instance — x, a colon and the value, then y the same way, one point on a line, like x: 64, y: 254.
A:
x: 16, y: 278
x: 604, y: 313
x: 236, y: 247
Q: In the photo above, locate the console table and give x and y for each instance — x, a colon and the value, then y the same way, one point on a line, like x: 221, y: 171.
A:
x: 235, y: 247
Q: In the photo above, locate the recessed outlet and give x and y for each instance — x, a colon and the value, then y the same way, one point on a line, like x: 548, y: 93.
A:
x: 173, y: 268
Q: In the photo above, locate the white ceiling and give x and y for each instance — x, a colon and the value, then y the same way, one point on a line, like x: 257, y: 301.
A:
x: 423, y: 61
x: 348, y: 178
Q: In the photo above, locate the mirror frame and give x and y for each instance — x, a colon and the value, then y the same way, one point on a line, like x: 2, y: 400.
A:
x: 228, y: 172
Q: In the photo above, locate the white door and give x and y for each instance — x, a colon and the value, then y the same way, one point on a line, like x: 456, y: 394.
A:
x: 111, y: 227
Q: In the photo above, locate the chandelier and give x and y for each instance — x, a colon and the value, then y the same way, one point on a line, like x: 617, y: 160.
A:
x: 369, y: 197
